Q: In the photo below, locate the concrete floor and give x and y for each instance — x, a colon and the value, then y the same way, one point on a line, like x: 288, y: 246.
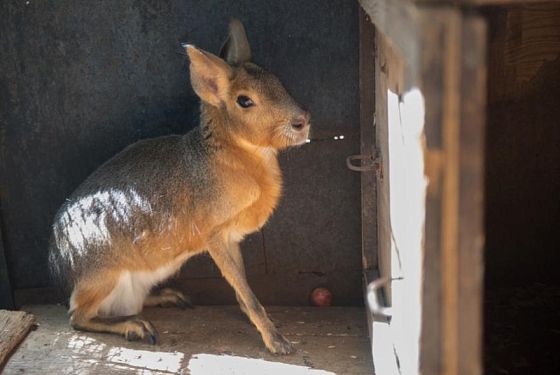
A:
x: 202, y: 341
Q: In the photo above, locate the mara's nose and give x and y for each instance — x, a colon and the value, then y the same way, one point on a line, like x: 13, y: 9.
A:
x: 301, y: 122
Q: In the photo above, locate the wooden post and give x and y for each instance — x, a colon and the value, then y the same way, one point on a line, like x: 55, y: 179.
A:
x: 367, y: 142
x: 443, y: 52
x: 453, y: 81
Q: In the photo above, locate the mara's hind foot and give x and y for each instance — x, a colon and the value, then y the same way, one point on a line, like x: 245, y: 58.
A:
x: 131, y: 328
x: 168, y: 297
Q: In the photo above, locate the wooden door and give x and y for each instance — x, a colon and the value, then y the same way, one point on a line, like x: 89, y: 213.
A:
x: 429, y: 119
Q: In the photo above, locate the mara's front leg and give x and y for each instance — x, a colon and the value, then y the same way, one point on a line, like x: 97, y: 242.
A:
x: 235, y: 252
x: 233, y: 272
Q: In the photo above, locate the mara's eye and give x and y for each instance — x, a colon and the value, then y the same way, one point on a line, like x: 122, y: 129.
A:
x: 245, y: 101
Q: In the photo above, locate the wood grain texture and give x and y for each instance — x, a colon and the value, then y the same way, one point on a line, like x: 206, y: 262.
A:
x: 450, y: 194
x: 14, y: 326
x: 398, y: 21
x: 471, y: 194
x: 382, y: 148
x: 454, y: 233
x: 367, y: 141
x: 523, y: 39
x: 454, y: 45
x: 433, y: 78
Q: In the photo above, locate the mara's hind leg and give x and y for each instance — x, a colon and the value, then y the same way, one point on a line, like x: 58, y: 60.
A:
x: 90, y: 297
x: 132, y: 329
x: 168, y: 297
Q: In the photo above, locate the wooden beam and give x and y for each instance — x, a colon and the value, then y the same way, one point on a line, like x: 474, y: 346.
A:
x: 433, y: 60
x: 398, y: 21
x: 453, y: 82
x: 450, y: 194
x: 471, y: 194
x: 14, y: 326
x: 383, y: 74
x: 367, y: 141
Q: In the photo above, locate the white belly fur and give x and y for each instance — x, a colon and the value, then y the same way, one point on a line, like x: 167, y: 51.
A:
x: 127, y: 297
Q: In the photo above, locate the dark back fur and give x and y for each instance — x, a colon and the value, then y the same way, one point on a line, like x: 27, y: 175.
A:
x: 150, y: 177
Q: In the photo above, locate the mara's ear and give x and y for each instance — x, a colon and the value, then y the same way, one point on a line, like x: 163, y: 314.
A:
x: 236, y: 50
x: 210, y: 76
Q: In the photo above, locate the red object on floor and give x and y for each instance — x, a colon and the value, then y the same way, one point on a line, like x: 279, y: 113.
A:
x: 321, y: 297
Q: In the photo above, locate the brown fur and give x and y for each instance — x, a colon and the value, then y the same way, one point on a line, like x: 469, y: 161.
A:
x: 146, y: 211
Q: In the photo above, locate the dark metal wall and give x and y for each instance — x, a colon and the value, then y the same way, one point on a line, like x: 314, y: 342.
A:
x: 80, y: 80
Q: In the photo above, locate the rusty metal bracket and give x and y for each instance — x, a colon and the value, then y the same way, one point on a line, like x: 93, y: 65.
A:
x: 367, y: 163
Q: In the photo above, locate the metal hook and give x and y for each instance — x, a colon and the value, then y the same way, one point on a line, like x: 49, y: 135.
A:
x: 372, y: 294
x: 367, y: 163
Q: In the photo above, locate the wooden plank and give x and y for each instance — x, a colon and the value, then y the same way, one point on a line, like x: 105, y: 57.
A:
x: 471, y: 194
x: 455, y: 45
x: 382, y: 147
x: 14, y: 326
x: 367, y: 70
x: 390, y: 72
x: 367, y: 141
x: 450, y: 199
x: 398, y: 21
x: 399, y: 230
x: 435, y: 42
x: 331, y: 340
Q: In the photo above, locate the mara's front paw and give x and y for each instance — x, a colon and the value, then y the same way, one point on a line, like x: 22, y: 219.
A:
x: 278, y: 344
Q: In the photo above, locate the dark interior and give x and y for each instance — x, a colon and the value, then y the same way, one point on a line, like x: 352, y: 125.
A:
x: 522, y: 213
x: 80, y: 81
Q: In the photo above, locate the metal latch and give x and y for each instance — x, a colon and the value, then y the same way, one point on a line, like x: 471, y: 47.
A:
x: 367, y: 163
x: 373, y: 300
x: 374, y: 304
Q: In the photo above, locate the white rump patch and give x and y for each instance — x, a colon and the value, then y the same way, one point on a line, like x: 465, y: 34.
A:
x: 127, y: 298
